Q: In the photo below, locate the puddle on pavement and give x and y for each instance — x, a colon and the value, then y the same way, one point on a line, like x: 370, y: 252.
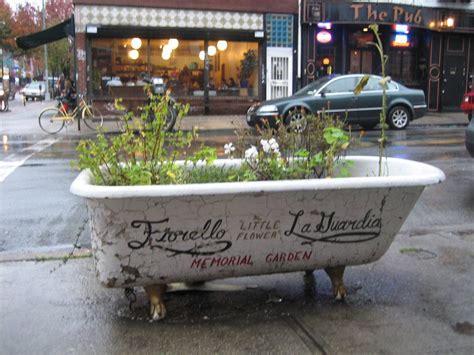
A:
x: 464, y: 328
x: 421, y: 254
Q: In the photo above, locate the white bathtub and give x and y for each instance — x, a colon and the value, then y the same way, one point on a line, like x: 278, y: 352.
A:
x: 149, y: 235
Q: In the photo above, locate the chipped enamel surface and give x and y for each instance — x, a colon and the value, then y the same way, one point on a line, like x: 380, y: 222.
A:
x: 209, y: 231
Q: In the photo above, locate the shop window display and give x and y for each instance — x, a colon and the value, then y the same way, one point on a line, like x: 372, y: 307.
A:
x: 177, y: 62
x: 233, y: 66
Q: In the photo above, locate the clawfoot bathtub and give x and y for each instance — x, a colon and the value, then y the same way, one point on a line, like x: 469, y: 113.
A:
x: 152, y: 236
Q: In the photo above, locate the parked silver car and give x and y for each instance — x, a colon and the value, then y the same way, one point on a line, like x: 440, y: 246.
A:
x: 34, y: 90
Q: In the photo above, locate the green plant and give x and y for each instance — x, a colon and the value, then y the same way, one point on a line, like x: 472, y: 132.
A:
x: 384, y: 83
x: 248, y: 64
x: 146, y: 155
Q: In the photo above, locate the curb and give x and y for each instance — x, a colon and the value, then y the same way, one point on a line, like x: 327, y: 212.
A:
x: 50, y: 253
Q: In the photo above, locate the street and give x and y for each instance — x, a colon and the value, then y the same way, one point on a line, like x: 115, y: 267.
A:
x: 417, y: 299
x: 50, y: 216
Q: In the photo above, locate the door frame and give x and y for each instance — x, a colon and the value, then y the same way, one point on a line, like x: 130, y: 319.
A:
x: 279, y: 52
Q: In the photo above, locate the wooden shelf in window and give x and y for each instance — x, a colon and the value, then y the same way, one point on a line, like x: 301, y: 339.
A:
x: 127, y: 68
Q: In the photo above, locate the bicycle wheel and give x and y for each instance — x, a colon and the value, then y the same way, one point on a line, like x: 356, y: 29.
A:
x: 122, y: 122
x: 51, y: 120
x: 92, y: 117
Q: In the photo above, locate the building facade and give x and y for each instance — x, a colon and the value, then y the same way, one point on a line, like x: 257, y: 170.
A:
x: 217, y: 56
x: 430, y: 44
x: 221, y: 56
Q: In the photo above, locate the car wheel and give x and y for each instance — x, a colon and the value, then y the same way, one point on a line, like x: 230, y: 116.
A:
x: 295, y: 119
x: 399, y: 117
x: 368, y: 126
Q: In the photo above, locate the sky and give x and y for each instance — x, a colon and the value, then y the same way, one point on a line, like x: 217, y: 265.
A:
x: 13, y: 3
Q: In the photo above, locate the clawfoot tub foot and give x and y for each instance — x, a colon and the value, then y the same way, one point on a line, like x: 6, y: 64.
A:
x: 336, y: 274
x: 157, y: 304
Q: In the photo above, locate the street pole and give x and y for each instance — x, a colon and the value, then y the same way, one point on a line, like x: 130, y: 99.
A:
x: 46, y: 93
x: 2, y: 23
x: 1, y: 53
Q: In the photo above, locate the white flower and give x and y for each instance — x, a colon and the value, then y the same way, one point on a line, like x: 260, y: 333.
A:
x: 269, y: 145
x: 273, y: 145
x: 251, y: 153
x: 265, y: 145
x: 228, y: 148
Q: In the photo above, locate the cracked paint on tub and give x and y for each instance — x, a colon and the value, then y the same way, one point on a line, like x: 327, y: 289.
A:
x: 161, y: 234
x: 193, y: 238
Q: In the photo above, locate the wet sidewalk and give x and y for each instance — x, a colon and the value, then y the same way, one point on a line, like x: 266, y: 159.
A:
x: 416, y: 300
x: 229, y: 122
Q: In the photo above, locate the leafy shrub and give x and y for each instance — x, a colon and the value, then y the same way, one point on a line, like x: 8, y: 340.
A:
x: 144, y: 154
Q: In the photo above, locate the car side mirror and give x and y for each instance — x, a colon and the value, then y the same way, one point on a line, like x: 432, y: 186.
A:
x: 323, y: 94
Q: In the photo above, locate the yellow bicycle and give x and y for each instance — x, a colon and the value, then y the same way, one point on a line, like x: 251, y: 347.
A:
x: 53, y: 119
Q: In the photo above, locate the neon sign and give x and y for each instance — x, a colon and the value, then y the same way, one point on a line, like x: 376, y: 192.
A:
x: 324, y: 37
x: 400, y: 40
x: 401, y: 28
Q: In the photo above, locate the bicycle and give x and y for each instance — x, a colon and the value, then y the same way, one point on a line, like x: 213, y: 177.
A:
x: 53, y: 119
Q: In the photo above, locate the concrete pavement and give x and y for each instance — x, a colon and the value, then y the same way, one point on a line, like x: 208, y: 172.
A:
x: 416, y: 300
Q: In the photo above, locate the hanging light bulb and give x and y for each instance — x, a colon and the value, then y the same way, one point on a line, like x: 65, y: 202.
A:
x: 202, y: 55
x: 136, y: 43
x: 167, y: 49
x: 173, y: 43
x: 166, y: 55
x: 133, y: 54
x: 211, y: 50
x: 222, y: 45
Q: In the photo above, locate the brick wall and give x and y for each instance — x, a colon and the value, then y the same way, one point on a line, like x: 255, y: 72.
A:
x: 81, y: 62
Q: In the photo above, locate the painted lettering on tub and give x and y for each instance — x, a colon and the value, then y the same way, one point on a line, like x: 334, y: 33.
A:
x: 218, y: 262
x: 288, y: 257
x: 256, y: 235
x: 166, y: 239
x: 257, y: 230
x: 328, y: 228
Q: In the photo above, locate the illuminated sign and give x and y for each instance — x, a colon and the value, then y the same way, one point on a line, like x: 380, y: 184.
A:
x: 400, y: 40
x: 324, y: 37
x: 325, y: 25
x: 401, y: 28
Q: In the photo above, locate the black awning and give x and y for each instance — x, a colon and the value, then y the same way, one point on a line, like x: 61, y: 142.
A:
x: 52, y: 34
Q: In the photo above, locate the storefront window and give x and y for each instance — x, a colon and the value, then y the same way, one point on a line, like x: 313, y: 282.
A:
x: 118, y: 62
x: 402, y: 66
x: 361, y: 62
x: 177, y: 62
x: 233, y: 66
x: 362, y: 54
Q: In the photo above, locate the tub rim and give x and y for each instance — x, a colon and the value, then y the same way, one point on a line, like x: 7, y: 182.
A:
x: 413, y: 174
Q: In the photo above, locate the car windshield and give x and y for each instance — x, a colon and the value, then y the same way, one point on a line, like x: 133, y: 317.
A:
x: 312, y: 88
x: 34, y: 85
